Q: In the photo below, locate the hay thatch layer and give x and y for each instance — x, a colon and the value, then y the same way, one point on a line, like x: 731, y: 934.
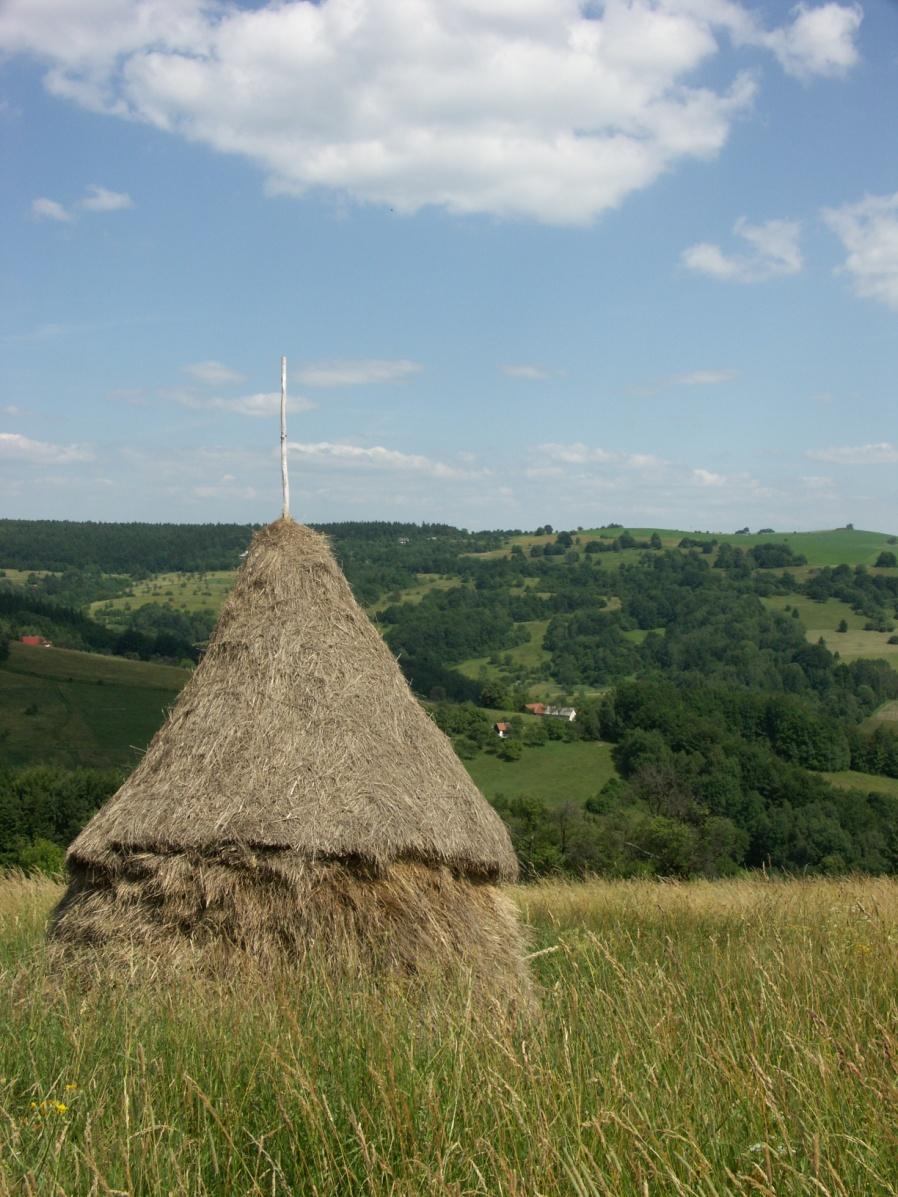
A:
x: 413, y: 920
x: 298, y: 732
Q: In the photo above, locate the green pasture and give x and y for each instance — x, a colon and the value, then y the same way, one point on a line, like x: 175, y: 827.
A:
x: 181, y: 591
x: 19, y: 577
x: 555, y: 772
x: 869, y: 782
x: 831, y: 547
x: 886, y: 714
x: 532, y: 655
x: 414, y: 594
x: 80, y: 709
x: 822, y: 619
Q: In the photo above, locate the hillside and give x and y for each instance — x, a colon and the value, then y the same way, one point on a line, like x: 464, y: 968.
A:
x: 79, y: 709
x: 732, y: 691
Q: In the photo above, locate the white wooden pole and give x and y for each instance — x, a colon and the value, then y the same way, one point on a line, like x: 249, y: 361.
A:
x: 285, y: 480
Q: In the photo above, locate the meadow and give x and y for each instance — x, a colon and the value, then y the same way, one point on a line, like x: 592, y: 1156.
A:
x: 62, y: 707
x: 704, y: 1039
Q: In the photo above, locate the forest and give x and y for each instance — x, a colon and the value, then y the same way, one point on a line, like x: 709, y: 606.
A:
x: 722, y: 716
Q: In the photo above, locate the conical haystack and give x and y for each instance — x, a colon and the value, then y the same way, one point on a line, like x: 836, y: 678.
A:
x: 298, y: 799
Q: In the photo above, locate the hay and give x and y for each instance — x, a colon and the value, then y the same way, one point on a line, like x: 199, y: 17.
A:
x: 412, y: 921
x: 298, y: 797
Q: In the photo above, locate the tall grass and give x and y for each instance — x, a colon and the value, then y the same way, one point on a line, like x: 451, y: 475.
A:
x: 707, y: 1038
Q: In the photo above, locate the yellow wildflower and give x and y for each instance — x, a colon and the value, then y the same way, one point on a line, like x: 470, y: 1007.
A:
x: 60, y: 1107
x: 71, y: 1087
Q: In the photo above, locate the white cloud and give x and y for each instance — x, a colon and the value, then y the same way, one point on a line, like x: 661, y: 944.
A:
x: 48, y: 209
x: 101, y: 199
x: 215, y: 373
x: 264, y: 404
x: 775, y: 253
x: 10, y: 409
x: 819, y: 41
x: 703, y: 378
x: 555, y: 110
x: 869, y: 232
x: 580, y: 454
x: 708, y: 478
x: 533, y: 373
x: 380, y: 458
x: 882, y: 453
x: 355, y: 373
x: 14, y: 447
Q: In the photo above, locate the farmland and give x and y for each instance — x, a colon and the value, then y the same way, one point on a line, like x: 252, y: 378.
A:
x: 701, y: 1039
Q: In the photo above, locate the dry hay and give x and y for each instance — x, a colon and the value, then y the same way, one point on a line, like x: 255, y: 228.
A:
x: 298, y: 798
x: 278, y: 911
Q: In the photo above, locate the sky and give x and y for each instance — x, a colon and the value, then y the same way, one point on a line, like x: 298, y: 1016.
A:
x: 530, y: 261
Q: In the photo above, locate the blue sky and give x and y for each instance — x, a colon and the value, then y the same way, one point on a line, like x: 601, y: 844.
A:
x: 529, y: 260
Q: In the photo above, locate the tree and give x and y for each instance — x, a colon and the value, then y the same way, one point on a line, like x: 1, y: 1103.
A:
x: 843, y: 625
x: 886, y: 560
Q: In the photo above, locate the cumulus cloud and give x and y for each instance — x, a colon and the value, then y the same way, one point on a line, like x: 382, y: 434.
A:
x: 882, y: 453
x: 101, y: 199
x: 14, y: 447
x: 554, y: 110
x: 819, y: 40
x: 355, y: 373
x: 774, y: 253
x: 214, y: 373
x: 48, y: 209
x: 380, y: 458
x: 869, y: 232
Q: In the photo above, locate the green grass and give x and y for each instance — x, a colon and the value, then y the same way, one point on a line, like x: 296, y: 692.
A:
x: 886, y: 714
x: 181, y: 591
x: 870, y: 782
x: 531, y: 654
x: 822, y: 619
x: 728, y: 1039
x: 555, y: 772
x: 831, y: 547
x: 413, y: 594
x: 19, y: 577
x: 81, y: 709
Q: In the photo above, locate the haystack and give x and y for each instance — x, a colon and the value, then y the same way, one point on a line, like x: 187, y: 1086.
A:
x: 297, y: 801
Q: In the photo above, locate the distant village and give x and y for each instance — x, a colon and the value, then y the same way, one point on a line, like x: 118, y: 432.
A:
x: 546, y: 710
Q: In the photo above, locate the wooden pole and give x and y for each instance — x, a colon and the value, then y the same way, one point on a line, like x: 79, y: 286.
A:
x: 285, y: 480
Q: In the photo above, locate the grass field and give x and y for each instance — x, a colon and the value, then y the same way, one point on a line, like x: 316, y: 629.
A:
x: 181, y: 591
x: 413, y: 594
x: 831, y: 547
x: 531, y: 654
x: 822, y: 619
x: 887, y: 714
x: 871, y: 782
x: 554, y: 772
x: 81, y: 709
x: 697, y: 1040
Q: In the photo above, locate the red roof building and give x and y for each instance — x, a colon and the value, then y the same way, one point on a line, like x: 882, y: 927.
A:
x: 35, y: 641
